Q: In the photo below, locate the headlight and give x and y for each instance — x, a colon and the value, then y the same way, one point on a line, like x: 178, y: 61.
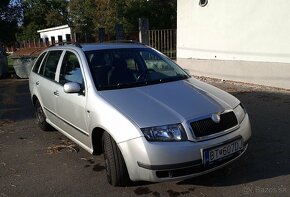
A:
x: 167, y: 133
x: 240, y: 113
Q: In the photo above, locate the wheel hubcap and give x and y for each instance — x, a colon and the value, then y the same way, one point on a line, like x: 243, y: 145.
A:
x: 39, y: 114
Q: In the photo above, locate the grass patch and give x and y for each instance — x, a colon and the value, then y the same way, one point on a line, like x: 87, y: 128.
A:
x: 10, y: 65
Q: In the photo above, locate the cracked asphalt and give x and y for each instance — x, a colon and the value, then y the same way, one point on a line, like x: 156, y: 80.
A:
x: 37, y: 163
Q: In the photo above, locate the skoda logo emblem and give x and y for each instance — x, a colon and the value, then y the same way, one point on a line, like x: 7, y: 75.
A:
x: 216, y: 118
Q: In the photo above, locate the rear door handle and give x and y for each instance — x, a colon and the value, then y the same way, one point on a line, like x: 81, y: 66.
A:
x: 56, y: 93
x: 37, y: 83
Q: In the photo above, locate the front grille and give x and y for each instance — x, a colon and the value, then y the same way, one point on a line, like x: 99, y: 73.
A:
x: 207, y: 126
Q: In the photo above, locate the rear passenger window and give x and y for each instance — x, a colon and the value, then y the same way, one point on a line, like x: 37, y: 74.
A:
x: 37, y: 63
x: 70, y: 69
x: 49, y: 65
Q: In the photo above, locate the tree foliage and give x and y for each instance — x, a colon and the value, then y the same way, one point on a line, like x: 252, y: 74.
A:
x: 90, y: 15
x: 161, y: 13
x: 81, y: 14
x: 41, y: 14
x: 10, y: 13
x: 87, y: 16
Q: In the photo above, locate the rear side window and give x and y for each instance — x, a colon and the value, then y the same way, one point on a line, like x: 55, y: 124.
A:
x: 70, y: 69
x: 38, y: 63
x: 49, y: 64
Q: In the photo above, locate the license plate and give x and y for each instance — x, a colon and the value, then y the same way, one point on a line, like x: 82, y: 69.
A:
x: 221, y: 152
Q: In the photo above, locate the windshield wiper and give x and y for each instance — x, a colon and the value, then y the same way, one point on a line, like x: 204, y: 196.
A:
x: 176, y: 78
x: 142, y: 83
x: 123, y: 85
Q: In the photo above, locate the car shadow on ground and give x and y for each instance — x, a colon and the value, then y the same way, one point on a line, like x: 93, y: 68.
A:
x: 15, y: 100
x: 268, y: 154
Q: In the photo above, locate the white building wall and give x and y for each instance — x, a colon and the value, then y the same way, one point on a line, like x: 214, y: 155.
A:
x: 55, y: 32
x: 229, y: 30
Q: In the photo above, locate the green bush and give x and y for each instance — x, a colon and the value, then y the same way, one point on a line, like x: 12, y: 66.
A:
x: 10, y: 65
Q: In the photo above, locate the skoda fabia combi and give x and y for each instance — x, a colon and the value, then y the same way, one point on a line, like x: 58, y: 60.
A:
x: 152, y: 120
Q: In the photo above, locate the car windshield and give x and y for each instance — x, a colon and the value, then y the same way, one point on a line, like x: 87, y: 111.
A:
x: 126, y: 68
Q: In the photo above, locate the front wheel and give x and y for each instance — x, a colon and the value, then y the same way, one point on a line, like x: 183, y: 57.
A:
x: 116, y: 169
x: 41, y: 118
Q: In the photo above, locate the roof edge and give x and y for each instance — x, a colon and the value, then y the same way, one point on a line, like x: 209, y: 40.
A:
x: 53, y: 28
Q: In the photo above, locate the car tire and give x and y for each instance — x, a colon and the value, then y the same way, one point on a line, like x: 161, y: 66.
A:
x: 41, y: 118
x: 116, y: 169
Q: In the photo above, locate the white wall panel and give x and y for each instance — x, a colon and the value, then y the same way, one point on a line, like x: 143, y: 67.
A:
x: 234, y: 30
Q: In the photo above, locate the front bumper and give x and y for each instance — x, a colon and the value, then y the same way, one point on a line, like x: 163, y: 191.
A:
x: 163, y: 161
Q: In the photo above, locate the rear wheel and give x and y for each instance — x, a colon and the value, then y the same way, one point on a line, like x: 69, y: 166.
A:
x: 116, y: 169
x: 41, y: 118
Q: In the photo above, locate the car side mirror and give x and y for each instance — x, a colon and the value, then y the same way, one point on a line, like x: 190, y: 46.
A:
x: 72, y: 87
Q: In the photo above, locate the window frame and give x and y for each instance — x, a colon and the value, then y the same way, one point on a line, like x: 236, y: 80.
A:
x: 81, y: 67
x: 44, y: 61
x: 180, y: 73
x: 40, y: 58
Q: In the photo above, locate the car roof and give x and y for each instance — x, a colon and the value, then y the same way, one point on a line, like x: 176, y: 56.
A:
x: 101, y: 46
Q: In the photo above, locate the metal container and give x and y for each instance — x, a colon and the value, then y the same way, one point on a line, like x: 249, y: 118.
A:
x: 23, y: 66
x: 3, y: 65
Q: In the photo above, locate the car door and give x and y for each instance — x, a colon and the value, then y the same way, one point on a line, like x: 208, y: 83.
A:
x: 71, y: 107
x: 46, y: 82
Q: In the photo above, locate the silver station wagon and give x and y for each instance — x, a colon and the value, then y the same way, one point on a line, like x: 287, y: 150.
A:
x: 152, y: 120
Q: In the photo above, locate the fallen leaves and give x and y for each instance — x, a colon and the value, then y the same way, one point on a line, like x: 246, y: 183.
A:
x: 64, y: 145
x: 5, y: 122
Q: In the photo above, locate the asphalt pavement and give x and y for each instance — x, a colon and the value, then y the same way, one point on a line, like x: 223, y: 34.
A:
x: 37, y: 163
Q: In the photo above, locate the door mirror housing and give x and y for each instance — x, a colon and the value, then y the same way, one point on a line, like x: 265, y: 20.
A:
x: 72, y: 87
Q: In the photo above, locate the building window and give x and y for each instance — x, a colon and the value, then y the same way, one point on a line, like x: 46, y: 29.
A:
x: 203, y: 3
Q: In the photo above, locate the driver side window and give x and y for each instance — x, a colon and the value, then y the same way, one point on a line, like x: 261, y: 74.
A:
x: 70, y: 69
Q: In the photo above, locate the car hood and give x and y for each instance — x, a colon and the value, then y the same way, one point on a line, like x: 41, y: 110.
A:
x: 169, y: 103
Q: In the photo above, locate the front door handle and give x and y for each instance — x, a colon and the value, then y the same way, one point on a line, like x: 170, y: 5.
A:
x: 56, y: 93
x: 37, y: 83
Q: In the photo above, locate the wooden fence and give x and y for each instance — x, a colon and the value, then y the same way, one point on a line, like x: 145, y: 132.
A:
x: 40, y: 43
x: 163, y: 40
